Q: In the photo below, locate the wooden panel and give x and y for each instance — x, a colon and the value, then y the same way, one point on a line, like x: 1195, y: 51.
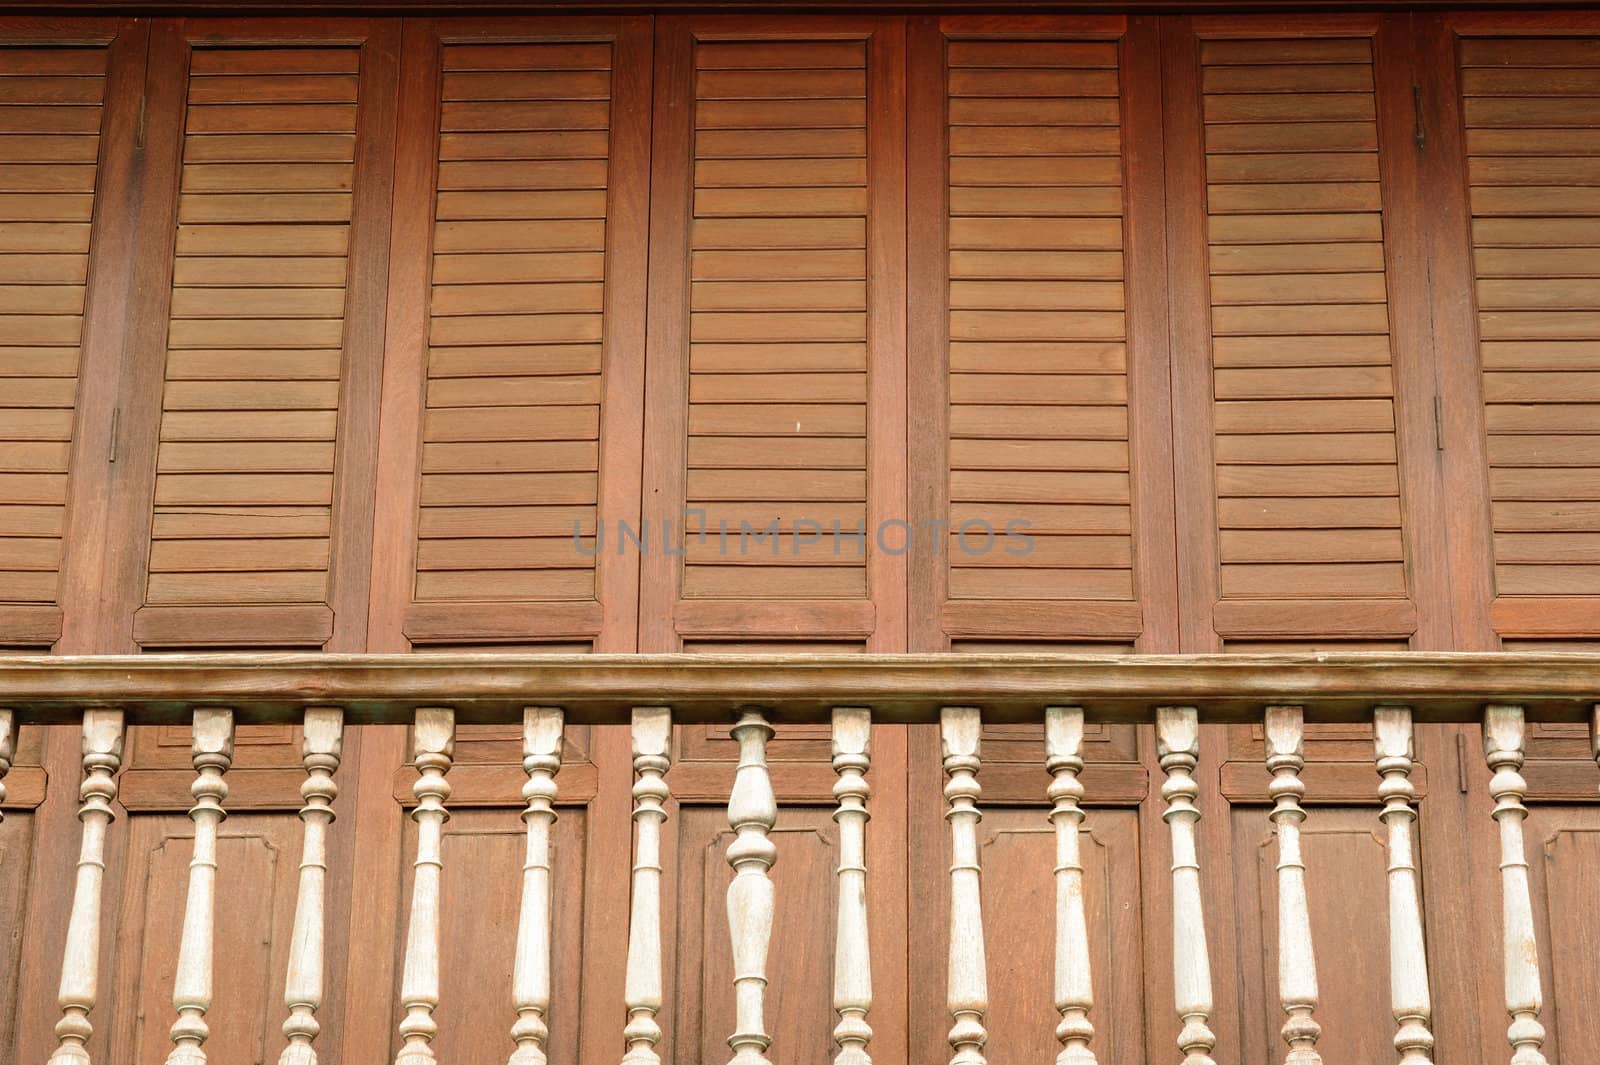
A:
x: 515, y: 396
x: 1302, y: 360
x: 252, y: 405
x: 1532, y: 219
x: 50, y: 131
x: 1048, y: 343
x: 777, y: 388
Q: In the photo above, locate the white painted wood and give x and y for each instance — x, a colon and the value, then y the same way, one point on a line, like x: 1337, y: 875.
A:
x: 852, y: 969
x: 530, y: 982
x: 80, y: 963
x: 1503, y: 733
x: 321, y: 746
x: 1178, y: 745
x: 8, y: 749
x: 212, y: 738
x: 967, y: 990
x: 1408, y: 959
x: 652, y: 757
x: 1297, y: 966
x: 1063, y: 749
x: 752, y: 813
x: 433, y: 736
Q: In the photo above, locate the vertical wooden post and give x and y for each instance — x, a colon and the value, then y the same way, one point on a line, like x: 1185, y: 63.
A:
x: 1178, y: 744
x: 320, y: 749
x: 1297, y: 966
x: 530, y: 986
x: 1408, y: 959
x: 1063, y: 748
x: 752, y: 813
x: 960, y: 730
x: 852, y: 971
x: 652, y: 747
x: 433, y: 737
x: 1503, y: 731
x: 80, y: 964
x: 212, y: 736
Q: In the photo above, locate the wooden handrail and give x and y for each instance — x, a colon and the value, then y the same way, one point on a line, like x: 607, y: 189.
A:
x: 604, y: 689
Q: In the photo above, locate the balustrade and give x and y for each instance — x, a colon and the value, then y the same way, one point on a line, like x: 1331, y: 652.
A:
x: 753, y: 813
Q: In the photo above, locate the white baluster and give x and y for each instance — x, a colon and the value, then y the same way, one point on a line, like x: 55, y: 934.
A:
x: 1502, y: 747
x: 652, y: 746
x: 960, y: 729
x: 852, y: 968
x: 433, y: 742
x: 80, y: 965
x: 1063, y: 748
x: 1297, y: 966
x: 1178, y: 744
x: 320, y: 749
x: 1408, y: 960
x: 530, y: 988
x: 8, y: 749
x: 752, y: 813
x: 212, y: 736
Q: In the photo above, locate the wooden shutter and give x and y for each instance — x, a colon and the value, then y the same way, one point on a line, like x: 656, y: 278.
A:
x: 1304, y: 397
x: 59, y: 262
x: 512, y: 395
x: 1520, y: 108
x: 269, y: 152
x: 776, y: 394
x: 1039, y: 395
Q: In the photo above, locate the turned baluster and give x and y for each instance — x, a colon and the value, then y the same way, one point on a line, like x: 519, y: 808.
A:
x: 1408, y: 960
x: 1502, y: 747
x: 852, y: 971
x: 8, y: 749
x: 1297, y: 967
x: 1063, y: 747
x: 433, y: 742
x: 320, y: 748
x: 80, y: 965
x: 967, y: 979
x: 652, y: 746
x: 530, y: 987
x: 1178, y: 745
x: 752, y: 813
x: 212, y: 735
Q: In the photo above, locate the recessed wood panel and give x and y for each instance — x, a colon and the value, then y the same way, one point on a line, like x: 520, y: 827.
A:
x: 50, y: 124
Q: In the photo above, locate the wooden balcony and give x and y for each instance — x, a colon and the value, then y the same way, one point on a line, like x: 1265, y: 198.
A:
x: 215, y: 693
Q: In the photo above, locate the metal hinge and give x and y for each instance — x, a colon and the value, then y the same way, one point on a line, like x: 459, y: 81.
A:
x: 1438, y: 424
x: 1421, y: 131
x: 138, y: 126
x: 111, y: 450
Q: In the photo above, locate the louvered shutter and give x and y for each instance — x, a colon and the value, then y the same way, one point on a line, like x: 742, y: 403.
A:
x: 1304, y: 408
x: 516, y: 356
x: 54, y: 116
x: 775, y: 413
x: 1526, y: 101
x: 268, y: 338
x: 1039, y: 391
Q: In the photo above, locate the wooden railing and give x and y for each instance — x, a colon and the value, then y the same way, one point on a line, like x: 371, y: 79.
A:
x: 214, y: 693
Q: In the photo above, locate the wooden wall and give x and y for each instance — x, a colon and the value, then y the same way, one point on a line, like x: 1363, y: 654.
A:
x: 1281, y: 333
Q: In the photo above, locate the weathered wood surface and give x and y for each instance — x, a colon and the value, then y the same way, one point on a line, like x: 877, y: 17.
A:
x: 593, y: 689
